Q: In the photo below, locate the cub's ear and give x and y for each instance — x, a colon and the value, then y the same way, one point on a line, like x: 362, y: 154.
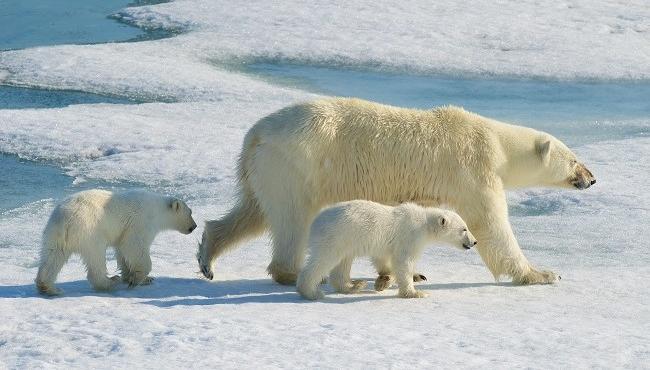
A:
x: 442, y: 221
x: 175, y: 205
x: 543, y: 148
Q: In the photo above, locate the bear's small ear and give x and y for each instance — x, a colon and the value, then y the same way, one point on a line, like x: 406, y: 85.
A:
x: 543, y: 148
x: 442, y: 221
x: 175, y: 205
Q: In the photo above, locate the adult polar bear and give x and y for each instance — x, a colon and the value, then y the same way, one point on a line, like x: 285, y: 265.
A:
x: 306, y: 156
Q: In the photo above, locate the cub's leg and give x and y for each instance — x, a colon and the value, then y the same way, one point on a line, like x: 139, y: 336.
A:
x: 384, y: 268
x: 340, y: 278
x: 404, y: 274
x: 94, y: 256
x: 386, y: 279
x: 135, y: 251
x: 125, y: 272
x: 52, y: 260
x: 321, y: 262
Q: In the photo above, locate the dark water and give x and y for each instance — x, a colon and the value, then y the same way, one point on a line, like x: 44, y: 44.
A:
x: 30, y: 23
x: 574, y: 111
x: 24, y: 181
x: 12, y: 97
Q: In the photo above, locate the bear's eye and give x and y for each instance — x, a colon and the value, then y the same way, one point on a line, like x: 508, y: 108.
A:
x: 464, y: 230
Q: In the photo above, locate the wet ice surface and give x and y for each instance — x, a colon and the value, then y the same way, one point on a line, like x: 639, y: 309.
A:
x: 25, y: 182
x: 597, y: 316
x: 29, y: 23
x: 12, y: 97
x: 577, y: 112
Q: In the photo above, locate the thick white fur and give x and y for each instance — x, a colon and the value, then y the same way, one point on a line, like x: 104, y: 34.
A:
x: 304, y: 157
x: 90, y: 221
x: 396, y: 236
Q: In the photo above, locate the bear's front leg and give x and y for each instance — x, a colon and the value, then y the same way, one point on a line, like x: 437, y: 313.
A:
x: 136, y: 260
x: 123, y: 266
x: 385, y: 279
x: 497, y: 244
x: 94, y: 257
x: 139, y: 278
x: 404, y: 276
x: 139, y: 272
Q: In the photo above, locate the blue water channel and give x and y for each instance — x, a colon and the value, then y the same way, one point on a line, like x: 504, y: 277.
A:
x: 577, y: 112
x: 32, y: 23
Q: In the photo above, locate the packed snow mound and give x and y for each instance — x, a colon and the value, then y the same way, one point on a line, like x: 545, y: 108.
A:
x: 567, y: 39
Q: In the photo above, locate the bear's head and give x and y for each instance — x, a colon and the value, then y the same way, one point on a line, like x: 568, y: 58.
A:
x: 560, y: 166
x: 180, y: 216
x: 447, y: 226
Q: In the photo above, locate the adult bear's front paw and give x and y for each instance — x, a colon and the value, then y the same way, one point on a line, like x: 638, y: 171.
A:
x: 206, y: 270
x: 413, y: 294
x: 536, y: 277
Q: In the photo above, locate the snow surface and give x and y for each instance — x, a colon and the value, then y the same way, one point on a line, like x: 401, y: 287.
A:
x: 597, y: 316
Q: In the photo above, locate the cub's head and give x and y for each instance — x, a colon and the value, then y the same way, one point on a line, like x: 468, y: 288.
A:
x: 447, y: 226
x: 560, y: 167
x: 180, y: 216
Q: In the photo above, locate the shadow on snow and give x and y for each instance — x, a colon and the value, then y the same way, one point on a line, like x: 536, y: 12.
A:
x: 169, y: 292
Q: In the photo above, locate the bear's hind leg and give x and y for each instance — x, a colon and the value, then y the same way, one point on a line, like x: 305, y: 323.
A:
x: 322, y: 261
x: 289, y: 248
x: 384, y: 268
x: 340, y: 278
x: 52, y: 260
x: 386, y: 279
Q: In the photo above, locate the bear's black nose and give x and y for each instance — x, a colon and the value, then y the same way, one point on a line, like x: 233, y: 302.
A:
x: 475, y: 242
x: 593, y: 181
x: 192, y: 228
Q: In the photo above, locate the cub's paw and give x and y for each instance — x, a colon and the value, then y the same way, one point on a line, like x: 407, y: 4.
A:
x: 357, y: 285
x: 414, y: 294
x: 107, y: 284
x: 350, y: 287
x: 138, y: 278
x: 312, y: 295
x: 418, y: 278
x: 48, y: 290
x: 384, y: 282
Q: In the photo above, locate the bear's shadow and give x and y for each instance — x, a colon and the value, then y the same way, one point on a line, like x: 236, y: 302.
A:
x: 170, y: 291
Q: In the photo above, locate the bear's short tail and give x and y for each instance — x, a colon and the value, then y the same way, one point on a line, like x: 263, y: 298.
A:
x: 244, y: 221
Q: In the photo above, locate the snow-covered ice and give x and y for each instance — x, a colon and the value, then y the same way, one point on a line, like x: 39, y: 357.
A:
x: 186, y: 143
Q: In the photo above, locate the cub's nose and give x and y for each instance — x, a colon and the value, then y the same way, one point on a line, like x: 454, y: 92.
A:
x: 593, y: 181
x: 192, y: 228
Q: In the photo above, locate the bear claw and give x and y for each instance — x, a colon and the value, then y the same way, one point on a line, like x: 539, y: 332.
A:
x: 419, y: 277
x: 205, y: 270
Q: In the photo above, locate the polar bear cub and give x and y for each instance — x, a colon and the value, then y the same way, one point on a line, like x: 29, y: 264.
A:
x: 396, y: 235
x: 90, y: 221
